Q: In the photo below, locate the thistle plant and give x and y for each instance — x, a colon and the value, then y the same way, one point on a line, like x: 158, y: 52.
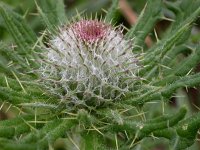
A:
x: 89, y: 63
x: 89, y: 84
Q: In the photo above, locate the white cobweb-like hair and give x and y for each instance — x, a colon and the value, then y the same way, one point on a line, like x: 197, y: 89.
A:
x: 89, y: 62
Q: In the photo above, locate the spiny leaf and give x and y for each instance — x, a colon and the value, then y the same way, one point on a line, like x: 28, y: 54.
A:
x: 22, y: 36
x: 172, y: 55
x: 31, y: 88
x: 50, y: 132
x: 93, y: 140
x: 8, y: 132
x: 6, y: 144
x: 187, y: 130
x: 20, y: 31
x: 166, y: 133
x: 164, y: 46
x: 146, y: 21
x: 148, y: 128
x: 45, y: 19
x: 167, y: 91
x: 17, y: 35
x: 187, y: 81
x: 13, y: 97
x: 113, y: 12
x: 155, y: 56
x: 11, y: 56
x: 21, y: 24
x: 184, y: 14
x: 186, y: 65
x: 16, y: 120
x: 52, y: 12
x: 159, y: 50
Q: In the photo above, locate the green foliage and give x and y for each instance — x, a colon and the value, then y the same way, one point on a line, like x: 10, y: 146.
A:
x: 113, y: 12
x: 52, y: 14
x: 146, y: 22
x: 124, y: 124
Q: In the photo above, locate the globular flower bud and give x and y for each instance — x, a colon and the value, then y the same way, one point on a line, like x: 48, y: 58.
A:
x: 89, y: 62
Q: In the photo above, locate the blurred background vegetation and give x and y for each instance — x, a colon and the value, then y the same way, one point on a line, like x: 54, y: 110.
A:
x: 29, y: 11
x: 127, y: 16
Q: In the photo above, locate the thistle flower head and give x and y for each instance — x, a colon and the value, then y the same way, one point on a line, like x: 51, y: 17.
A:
x: 89, y: 62
x: 90, y: 30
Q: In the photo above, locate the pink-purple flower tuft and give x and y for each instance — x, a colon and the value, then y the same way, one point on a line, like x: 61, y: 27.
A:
x: 90, y: 30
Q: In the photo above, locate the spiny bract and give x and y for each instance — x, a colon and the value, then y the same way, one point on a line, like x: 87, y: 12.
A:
x: 89, y: 62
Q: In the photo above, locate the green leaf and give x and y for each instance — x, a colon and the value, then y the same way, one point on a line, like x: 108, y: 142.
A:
x: 23, y: 36
x: 173, y: 120
x: 49, y: 133
x: 52, y: 12
x: 187, y: 131
x: 13, y: 97
x: 113, y: 13
x: 186, y: 12
x: 187, y: 64
x: 156, y: 54
x: 146, y: 21
x: 187, y: 81
x: 21, y: 32
x: 6, y: 144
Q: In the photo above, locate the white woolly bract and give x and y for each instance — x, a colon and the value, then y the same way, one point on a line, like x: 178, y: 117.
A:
x: 89, y: 71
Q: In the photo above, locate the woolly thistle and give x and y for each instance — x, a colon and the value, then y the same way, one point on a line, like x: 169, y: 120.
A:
x: 89, y: 62
x: 93, y: 86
